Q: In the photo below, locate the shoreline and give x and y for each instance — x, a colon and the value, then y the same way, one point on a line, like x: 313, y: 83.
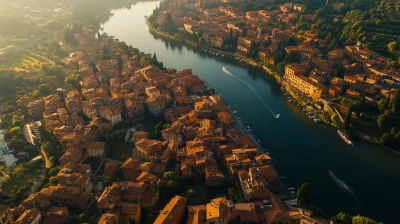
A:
x: 243, y: 59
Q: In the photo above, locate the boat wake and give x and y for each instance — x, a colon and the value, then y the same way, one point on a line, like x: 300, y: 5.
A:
x: 233, y: 75
x: 344, y: 186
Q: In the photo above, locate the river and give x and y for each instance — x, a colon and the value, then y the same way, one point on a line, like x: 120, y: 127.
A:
x: 303, y: 150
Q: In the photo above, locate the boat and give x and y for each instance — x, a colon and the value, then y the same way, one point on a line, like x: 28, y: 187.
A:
x: 284, y: 178
x: 291, y: 189
x: 341, y: 183
x: 345, y: 138
x: 234, y: 111
x: 317, y: 120
x: 277, y: 116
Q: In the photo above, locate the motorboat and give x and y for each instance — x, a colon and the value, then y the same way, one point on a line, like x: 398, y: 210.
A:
x: 345, y: 138
x: 277, y: 116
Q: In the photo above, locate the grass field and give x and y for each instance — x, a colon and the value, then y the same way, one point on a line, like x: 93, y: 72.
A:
x: 19, y: 181
x: 21, y: 62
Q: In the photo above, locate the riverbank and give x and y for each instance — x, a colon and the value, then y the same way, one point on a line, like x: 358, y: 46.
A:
x: 302, y: 100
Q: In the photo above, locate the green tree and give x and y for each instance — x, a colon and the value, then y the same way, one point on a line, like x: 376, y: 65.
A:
x: 54, y: 171
x: 385, y: 139
x: 16, y: 144
x: 395, y: 103
x: 107, y: 181
x: 362, y: 220
x: 302, y: 194
x: 342, y: 218
x: 386, y: 120
x: 53, y: 181
x: 336, y: 120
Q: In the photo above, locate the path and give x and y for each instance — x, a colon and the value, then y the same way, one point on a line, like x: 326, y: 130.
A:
x: 47, y: 161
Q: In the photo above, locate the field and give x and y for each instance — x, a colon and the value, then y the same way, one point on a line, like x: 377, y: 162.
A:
x: 21, y: 62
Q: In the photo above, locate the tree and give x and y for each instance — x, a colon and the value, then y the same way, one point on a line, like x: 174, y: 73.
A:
x: 393, y: 47
x: 16, y: 144
x: 53, y: 181
x: 385, y: 139
x: 336, y: 120
x: 342, y: 218
x: 386, y: 119
x: 107, y: 181
x: 302, y: 194
x: 157, y: 130
x: 362, y: 220
x: 54, y: 171
x: 396, y: 103
x: 190, y: 193
x: 347, y: 119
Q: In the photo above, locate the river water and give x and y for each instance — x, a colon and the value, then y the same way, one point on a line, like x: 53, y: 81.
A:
x: 304, y: 151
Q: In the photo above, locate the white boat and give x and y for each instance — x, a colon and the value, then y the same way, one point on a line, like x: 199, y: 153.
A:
x: 317, y: 120
x: 291, y: 189
x: 277, y: 116
x: 345, y: 138
x: 234, y: 111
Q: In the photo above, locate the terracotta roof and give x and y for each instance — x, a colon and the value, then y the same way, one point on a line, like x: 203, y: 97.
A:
x: 28, y: 216
x: 173, y: 211
x: 131, y: 163
x: 196, y: 214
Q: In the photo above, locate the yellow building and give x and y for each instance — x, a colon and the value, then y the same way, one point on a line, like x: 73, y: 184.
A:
x: 294, y: 76
x: 6, y: 216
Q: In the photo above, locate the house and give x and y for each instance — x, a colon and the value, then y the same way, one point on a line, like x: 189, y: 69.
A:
x: 109, y: 115
x: 89, y: 110
x: 61, y: 195
x: 152, y: 92
x: 95, y: 149
x: 156, y: 105
x: 225, y: 119
x: 213, y: 175
x: 129, y: 169
x: 173, y: 212
x: 56, y: 215
x: 217, y: 211
x: 5, y: 215
x: 281, y: 213
x: 72, y: 155
x: 36, y: 109
x: 110, y: 169
x: 196, y: 214
x: 148, y: 150
x: 30, y: 216
x: 109, y: 218
x: 148, y: 178
x: 244, y: 45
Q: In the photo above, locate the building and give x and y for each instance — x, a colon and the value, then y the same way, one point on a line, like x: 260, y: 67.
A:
x: 6, y: 217
x: 110, y: 115
x: 148, y: 150
x: 30, y: 216
x: 156, y: 105
x: 294, y: 76
x: 152, y: 92
x: 173, y: 212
